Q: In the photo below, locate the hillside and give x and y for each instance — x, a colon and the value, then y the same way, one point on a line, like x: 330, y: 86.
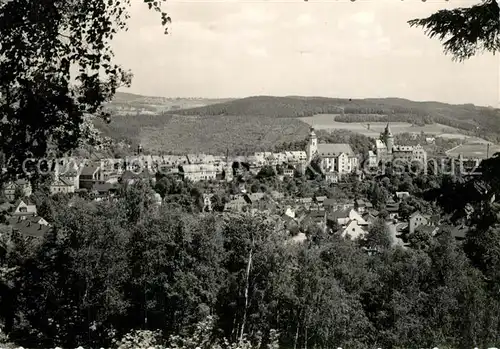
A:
x: 189, y: 134
x: 261, y: 123
x: 128, y: 103
x: 482, y: 120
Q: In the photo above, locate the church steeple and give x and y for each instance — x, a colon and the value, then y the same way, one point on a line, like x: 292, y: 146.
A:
x: 312, y: 144
x: 388, y: 131
x: 389, y: 139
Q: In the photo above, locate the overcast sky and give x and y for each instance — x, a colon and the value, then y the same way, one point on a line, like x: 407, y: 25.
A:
x: 334, y: 48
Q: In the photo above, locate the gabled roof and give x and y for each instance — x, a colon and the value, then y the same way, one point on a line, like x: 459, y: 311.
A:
x: 392, y: 208
x: 28, y: 228
x: 26, y: 200
x: 334, y: 149
x: 320, y: 198
x: 379, y: 144
x: 60, y: 183
x: 390, y: 201
x: 69, y: 173
x: 368, y: 217
x: 317, y: 213
x: 339, y: 214
x: 254, y: 197
x: 89, y: 170
x: 329, y: 202
x: 416, y: 213
x: 430, y: 229
x: 19, y: 219
x: 103, y: 188
x: 22, y: 182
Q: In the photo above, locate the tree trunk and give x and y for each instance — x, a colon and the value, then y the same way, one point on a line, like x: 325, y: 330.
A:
x: 234, y: 331
x: 305, y: 337
x: 247, y: 285
x: 296, y: 336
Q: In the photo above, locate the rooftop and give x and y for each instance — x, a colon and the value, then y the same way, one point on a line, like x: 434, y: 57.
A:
x: 335, y: 149
x: 28, y: 228
x: 89, y: 170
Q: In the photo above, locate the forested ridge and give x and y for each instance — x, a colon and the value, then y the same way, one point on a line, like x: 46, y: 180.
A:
x: 466, y: 116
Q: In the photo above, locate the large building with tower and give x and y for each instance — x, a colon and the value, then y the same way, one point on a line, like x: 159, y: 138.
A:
x: 336, y: 159
x: 386, y: 150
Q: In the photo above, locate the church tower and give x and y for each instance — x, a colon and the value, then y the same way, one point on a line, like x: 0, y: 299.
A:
x: 312, y: 145
x: 389, y: 139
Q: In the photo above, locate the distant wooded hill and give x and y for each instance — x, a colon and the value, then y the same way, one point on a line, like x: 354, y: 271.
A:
x: 129, y: 103
x: 264, y: 123
x: 467, y: 117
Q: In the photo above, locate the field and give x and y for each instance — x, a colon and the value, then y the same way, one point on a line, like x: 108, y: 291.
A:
x: 130, y: 104
x: 474, y: 150
x: 327, y: 122
x: 216, y: 135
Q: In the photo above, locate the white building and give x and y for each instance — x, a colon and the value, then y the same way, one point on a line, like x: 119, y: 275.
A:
x: 353, y: 230
x: 335, y: 157
x: 23, y: 186
x: 296, y: 157
x: 199, y: 172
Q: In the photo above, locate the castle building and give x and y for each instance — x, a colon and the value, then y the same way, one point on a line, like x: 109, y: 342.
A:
x: 386, y: 150
x: 336, y: 158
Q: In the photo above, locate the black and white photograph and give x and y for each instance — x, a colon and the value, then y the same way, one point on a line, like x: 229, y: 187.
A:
x: 249, y: 174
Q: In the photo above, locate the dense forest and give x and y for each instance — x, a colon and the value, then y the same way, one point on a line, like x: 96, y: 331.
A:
x: 237, y: 135
x: 466, y: 117
x: 175, y: 276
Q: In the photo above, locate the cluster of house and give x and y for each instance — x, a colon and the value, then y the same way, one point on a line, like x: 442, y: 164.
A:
x: 100, y: 175
x: 22, y: 217
x: 351, y: 218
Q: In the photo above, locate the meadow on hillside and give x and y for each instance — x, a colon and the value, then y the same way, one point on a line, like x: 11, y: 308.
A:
x: 329, y: 122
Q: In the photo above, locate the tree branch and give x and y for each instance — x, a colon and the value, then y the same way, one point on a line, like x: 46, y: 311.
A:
x: 465, y: 31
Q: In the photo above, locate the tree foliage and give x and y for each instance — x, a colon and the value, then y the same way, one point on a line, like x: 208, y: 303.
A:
x: 56, y: 69
x: 465, y: 31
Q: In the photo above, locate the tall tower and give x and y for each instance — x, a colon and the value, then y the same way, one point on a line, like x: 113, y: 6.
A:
x: 312, y: 145
x: 389, y: 139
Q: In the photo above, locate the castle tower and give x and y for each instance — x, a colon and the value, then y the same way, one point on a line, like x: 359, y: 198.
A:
x: 389, y: 139
x: 312, y: 145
